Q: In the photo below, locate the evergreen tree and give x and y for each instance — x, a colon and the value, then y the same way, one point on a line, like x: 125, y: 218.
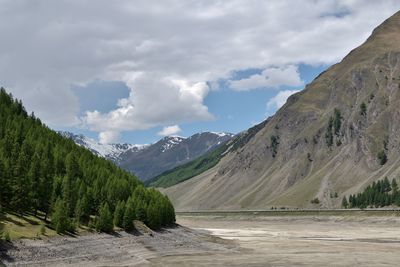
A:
x: 82, y: 210
x: 34, y: 180
x: 382, y: 157
x: 395, y: 187
x: 21, y: 186
x: 329, y: 134
x: 386, y: 185
x: 67, y: 194
x: 140, y: 211
x: 59, y: 218
x: 104, y: 221
x: 337, y: 121
x: 153, y: 215
x: 129, y: 215
x: 119, y: 214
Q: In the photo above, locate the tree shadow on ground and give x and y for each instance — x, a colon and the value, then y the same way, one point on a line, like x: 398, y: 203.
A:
x: 5, y: 246
x: 11, y: 220
x: 135, y: 232
x: 25, y: 218
x: 167, y: 228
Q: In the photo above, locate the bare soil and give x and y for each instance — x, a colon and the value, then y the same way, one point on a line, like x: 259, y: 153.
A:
x: 219, y: 240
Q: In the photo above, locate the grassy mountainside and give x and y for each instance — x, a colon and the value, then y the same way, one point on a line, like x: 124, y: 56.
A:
x: 43, y: 173
x: 338, y: 135
x: 203, y: 163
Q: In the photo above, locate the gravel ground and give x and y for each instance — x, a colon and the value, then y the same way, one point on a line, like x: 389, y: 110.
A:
x: 120, y: 249
x: 225, y: 241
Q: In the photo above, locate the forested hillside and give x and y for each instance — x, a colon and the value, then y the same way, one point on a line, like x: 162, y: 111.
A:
x: 42, y: 172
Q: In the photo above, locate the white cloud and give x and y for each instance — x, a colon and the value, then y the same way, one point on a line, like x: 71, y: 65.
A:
x: 170, y: 130
x: 166, y: 51
x: 156, y: 101
x: 108, y: 137
x: 269, y: 78
x: 280, y: 99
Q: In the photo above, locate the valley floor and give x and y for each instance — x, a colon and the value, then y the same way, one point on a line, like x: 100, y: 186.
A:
x: 226, y: 240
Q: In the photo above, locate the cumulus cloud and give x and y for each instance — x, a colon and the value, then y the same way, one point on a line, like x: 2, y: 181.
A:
x: 156, y: 101
x: 170, y: 130
x: 269, y: 78
x: 280, y: 99
x: 167, y: 52
x: 108, y: 137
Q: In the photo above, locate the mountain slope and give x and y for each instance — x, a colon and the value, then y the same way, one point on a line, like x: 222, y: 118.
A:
x: 203, y: 163
x: 169, y: 153
x: 333, y: 137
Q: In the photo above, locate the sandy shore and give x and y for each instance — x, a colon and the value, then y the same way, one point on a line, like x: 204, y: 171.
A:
x: 226, y: 241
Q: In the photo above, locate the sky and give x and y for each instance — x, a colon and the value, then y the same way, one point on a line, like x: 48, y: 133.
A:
x: 135, y: 71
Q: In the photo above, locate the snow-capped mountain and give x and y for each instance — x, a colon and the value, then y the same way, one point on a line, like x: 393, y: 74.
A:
x: 170, y: 142
x: 109, y: 151
x: 170, y: 152
x: 147, y: 161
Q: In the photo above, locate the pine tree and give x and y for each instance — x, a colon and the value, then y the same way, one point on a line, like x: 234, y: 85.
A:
x: 21, y: 186
x: 386, y: 185
x: 337, y: 122
x: 140, y: 211
x: 59, y: 218
x: 46, y: 180
x: 71, y: 166
x: 382, y: 157
x: 67, y: 192
x: 82, y: 211
x: 119, y: 214
x: 395, y: 187
x: 153, y: 215
x: 329, y: 134
x: 104, y: 222
x: 129, y: 215
x: 34, y: 180
x: 345, y: 204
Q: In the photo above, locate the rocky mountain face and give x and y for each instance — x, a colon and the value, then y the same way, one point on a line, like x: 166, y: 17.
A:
x: 338, y: 135
x: 147, y: 161
x: 169, y: 152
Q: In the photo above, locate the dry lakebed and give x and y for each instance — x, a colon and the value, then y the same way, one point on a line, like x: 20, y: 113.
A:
x: 226, y: 240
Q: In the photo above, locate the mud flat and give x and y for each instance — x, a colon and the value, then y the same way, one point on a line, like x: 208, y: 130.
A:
x: 322, y: 240
x: 226, y: 240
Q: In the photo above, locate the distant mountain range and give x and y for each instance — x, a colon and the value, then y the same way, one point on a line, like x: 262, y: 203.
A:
x: 149, y: 160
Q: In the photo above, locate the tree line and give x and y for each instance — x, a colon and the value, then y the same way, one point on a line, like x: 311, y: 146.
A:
x: 42, y: 172
x: 380, y: 194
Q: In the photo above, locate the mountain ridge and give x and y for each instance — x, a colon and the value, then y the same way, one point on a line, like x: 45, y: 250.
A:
x: 326, y: 140
x: 149, y: 160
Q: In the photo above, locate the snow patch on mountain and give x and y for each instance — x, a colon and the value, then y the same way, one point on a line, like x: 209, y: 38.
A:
x: 109, y: 151
x: 171, y: 141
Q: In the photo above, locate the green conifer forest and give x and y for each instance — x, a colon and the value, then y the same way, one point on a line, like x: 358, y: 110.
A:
x: 42, y: 172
